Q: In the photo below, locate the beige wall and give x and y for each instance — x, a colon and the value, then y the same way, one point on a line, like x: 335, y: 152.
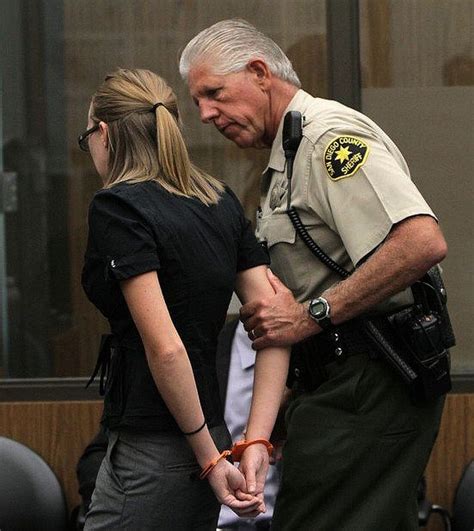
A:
x: 434, y: 130
x: 417, y: 62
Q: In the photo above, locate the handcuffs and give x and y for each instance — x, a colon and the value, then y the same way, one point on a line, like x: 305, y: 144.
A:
x: 236, y: 453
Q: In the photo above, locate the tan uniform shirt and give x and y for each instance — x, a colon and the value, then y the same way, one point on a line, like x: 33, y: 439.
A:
x: 350, y: 185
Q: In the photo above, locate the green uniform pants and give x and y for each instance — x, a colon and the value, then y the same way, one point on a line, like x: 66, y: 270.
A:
x: 355, y: 451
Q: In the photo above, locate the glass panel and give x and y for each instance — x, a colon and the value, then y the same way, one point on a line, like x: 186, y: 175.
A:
x: 417, y: 60
x: 56, y: 52
x: 3, y: 273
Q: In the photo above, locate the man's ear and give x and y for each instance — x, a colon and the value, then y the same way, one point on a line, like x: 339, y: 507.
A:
x: 104, y: 134
x: 259, y: 68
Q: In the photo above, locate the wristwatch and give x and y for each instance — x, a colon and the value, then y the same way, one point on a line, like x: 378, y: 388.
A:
x: 320, y: 311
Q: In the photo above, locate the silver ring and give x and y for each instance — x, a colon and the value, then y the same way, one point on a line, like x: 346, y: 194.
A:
x: 252, y: 335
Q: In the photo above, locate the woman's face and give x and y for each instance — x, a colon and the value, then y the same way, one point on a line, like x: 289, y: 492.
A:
x: 99, y: 146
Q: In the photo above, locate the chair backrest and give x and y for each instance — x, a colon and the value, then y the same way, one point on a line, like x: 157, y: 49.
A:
x: 463, y: 506
x: 31, y: 496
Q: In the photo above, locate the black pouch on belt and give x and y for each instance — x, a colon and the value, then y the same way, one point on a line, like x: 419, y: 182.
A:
x: 306, y: 371
x: 425, y: 331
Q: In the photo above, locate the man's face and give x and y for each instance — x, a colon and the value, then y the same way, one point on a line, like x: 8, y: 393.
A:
x: 237, y: 104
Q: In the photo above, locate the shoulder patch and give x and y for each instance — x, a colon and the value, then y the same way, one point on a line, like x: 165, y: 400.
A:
x: 344, y: 156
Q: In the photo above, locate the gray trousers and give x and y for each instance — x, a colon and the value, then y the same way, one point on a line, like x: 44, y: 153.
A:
x: 149, y: 481
x: 355, y: 452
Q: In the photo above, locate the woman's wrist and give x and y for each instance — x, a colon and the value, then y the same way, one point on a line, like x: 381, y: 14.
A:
x: 235, y: 453
x: 203, y: 446
x: 193, y: 432
x: 214, y: 463
x: 251, y: 434
x: 241, y: 446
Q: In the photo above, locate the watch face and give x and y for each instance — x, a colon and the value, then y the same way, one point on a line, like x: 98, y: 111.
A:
x: 318, y: 309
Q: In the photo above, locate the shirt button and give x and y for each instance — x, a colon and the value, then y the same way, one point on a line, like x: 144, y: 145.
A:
x: 112, y: 263
x: 297, y: 372
x: 338, y: 351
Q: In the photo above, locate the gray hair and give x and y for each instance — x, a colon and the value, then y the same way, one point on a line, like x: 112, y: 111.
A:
x: 229, y: 45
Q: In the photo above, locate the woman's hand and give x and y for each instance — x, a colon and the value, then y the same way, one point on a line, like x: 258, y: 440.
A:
x: 229, y: 486
x: 254, y: 466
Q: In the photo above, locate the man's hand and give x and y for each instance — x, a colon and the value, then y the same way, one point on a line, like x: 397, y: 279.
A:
x: 230, y: 488
x: 277, y: 321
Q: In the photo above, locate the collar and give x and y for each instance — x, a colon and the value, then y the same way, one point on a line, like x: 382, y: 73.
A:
x: 300, y: 102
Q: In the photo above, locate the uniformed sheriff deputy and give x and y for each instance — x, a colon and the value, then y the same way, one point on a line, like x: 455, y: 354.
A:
x: 356, y: 445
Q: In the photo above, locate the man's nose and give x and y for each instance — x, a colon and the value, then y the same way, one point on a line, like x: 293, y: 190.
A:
x: 207, y: 112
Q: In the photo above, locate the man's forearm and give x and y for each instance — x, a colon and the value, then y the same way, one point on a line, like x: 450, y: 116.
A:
x: 411, y: 248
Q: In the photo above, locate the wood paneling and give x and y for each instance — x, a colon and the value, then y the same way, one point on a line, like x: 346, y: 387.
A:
x: 59, y: 431
x: 375, y: 16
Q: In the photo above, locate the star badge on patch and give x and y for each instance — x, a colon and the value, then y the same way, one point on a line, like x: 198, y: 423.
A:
x: 344, y: 156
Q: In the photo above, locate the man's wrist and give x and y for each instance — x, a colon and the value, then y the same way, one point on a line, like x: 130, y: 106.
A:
x: 319, y: 310
x: 308, y: 326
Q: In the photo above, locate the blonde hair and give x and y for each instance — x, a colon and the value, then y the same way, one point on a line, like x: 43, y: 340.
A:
x: 229, y: 45
x: 145, y: 139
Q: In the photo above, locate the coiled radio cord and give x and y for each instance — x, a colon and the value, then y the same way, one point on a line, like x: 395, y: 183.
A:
x: 313, y: 246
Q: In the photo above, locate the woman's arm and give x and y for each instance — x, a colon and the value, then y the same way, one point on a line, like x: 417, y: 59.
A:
x: 174, y: 378
x: 271, y: 368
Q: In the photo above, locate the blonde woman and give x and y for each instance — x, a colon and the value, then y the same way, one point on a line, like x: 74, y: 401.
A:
x: 167, y: 246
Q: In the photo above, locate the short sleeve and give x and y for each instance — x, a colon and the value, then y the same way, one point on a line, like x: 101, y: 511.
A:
x: 122, y: 236
x: 250, y: 252
x: 363, y: 207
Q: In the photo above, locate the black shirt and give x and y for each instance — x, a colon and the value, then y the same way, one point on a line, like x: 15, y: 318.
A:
x: 197, y: 251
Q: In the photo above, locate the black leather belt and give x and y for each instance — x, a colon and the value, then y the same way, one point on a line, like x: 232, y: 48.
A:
x: 309, y: 358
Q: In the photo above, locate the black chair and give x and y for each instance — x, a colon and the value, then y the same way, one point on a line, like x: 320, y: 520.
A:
x: 426, y: 508
x: 463, y: 506
x: 31, y: 497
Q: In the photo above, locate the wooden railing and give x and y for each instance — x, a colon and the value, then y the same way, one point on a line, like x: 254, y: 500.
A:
x: 59, y: 431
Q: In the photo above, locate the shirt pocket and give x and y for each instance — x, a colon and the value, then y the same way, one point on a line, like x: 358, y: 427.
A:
x: 278, y: 229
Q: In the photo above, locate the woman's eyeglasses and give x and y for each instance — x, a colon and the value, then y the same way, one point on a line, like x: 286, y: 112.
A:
x: 83, y: 140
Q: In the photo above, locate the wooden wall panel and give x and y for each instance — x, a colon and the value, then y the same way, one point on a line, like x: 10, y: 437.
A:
x: 57, y: 431
x: 376, y: 61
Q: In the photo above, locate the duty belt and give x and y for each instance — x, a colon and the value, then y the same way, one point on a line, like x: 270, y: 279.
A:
x: 309, y: 357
